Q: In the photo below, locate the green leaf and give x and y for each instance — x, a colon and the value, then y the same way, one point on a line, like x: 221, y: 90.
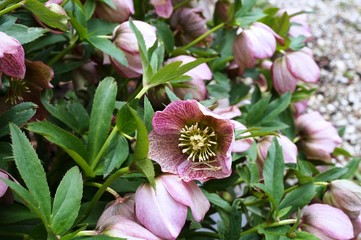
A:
x: 47, y: 16
x: 89, y: 8
x: 67, y: 141
x: 276, y: 107
x: 18, y: 114
x: 305, y: 236
x: 148, y: 114
x: 125, y: 120
x: 331, y: 174
x: 106, y: 46
x: 25, y: 34
x: 165, y: 34
x: 216, y: 200
x: 13, y: 213
x: 257, y: 110
x: 298, y: 198
x: 80, y: 28
x: 116, y: 153
x: 97, y: 26
x: 67, y: 201
x: 341, y: 152
x: 238, y: 92
x: 141, y: 43
x: 101, y: 116
x: 31, y: 170
x: 250, y: 17
x: 273, y: 172
x: 172, y: 97
x: 352, y: 166
x: 6, y: 21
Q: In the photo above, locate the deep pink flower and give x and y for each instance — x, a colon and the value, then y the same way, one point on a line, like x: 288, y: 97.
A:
x: 12, y: 57
x: 121, y: 13
x: 326, y: 222
x: 293, y: 67
x: 191, y: 141
x: 318, y: 136
x: 257, y: 42
x: 163, y: 8
x: 125, y: 39
x: 163, y: 209
x: 196, y: 85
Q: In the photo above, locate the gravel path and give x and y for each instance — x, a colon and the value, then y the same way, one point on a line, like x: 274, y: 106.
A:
x: 336, y: 25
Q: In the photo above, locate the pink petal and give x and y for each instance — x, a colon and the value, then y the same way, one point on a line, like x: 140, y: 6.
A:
x: 303, y: 67
x: 267, y: 28
x: 12, y: 57
x: 188, y: 194
x: 196, y: 87
x: 158, y: 211
x: 3, y: 186
x: 283, y: 80
x: 262, y: 41
x: 163, y: 8
x: 243, y: 144
x: 242, y: 54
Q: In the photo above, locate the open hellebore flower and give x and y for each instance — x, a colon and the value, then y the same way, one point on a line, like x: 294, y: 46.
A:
x: 12, y: 57
x: 121, y: 13
x: 125, y: 39
x: 318, y: 136
x: 256, y: 42
x: 119, y: 220
x: 163, y: 8
x: 292, y: 67
x: 196, y: 85
x: 345, y: 195
x: 326, y: 222
x: 163, y: 209
x: 191, y: 141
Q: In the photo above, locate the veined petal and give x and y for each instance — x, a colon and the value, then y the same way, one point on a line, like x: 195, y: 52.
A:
x: 3, y: 186
x: 283, y: 80
x: 163, y: 8
x: 12, y: 57
x: 262, y: 42
x: 302, y: 66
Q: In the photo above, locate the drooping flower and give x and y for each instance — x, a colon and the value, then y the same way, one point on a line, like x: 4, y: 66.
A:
x: 121, y: 13
x: 293, y: 67
x: 326, y: 222
x: 299, y: 25
x: 256, y: 42
x: 12, y: 57
x: 125, y: 39
x: 163, y: 209
x: 163, y: 8
x: 318, y: 137
x: 345, y: 195
x: 191, y: 141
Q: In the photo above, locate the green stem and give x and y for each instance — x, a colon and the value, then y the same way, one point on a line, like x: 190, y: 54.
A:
x: 6, y: 3
x: 11, y: 8
x: 103, y: 188
x: 142, y: 92
x: 181, y: 4
x: 64, y: 51
x: 130, y: 138
x: 200, y: 38
x: 108, y: 189
x: 87, y: 233
x: 267, y: 225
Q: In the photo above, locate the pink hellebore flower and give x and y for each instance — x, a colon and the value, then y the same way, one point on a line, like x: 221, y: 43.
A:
x: 119, y: 220
x: 163, y: 209
x: 299, y: 25
x: 289, y: 149
x: 318, y: 136
x: 163, y: 8
x: 125, y: 39
x: 12, y: 57
x: 196, y: 85
x: 121, y: 13
x: 292, y: 67
x: 3, y: 186
x: 191, y: 141
x: 326, y: 222
x: 257, y: 42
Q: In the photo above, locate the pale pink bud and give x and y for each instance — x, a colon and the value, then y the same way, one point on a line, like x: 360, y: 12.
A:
x: 293, y: 67
x: 319, y: 137
x: 12, y: 57
x: 121, y: 13
x: 346, y: 195
x: 257, y: 42
x: 289, y: 149
x: 163, y: 8
x: 125, y: 39
x: 3, y: 186
x: 326, y: 222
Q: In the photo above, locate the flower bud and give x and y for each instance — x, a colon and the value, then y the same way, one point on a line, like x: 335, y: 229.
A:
x: 326, y: 222
x: 345, y: 195
x: 56, y: 8
x: 163, y: 8
x: 121, y: 13
x: 125, y: 39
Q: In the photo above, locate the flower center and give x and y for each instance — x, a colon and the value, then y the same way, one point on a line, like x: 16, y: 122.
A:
x: 198, y: 142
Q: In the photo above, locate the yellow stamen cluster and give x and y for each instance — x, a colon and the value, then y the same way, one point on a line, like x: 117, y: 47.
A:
x: 198, y: 142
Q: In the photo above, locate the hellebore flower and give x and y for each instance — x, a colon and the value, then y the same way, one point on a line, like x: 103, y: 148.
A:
x: 3, y: 186
x: 318, y: 136
x: 163, y: 8
x: 189, y: 24
x: 292, y: 67
x: 289, y: 149
x: 119, y: 220
x: 121, y: 13
x: 345, y: 195
x: 299, y: 25
x: 326, y: 222
x: 257, y: 42
x: 12, y: 57
x: 163, y: 209
x: 125, y: 39
x: 6, y: 195
x: 196, y: 85
x: 191, y: 141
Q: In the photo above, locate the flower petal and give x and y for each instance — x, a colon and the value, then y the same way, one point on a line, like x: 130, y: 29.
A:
x: 12, y: 57
x: 163, y: 8
x: 283, y: 80
x: 3, y: 186
x: 302, y: 66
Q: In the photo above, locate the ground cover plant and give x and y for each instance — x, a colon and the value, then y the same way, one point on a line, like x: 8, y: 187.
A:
x: 167, y: 120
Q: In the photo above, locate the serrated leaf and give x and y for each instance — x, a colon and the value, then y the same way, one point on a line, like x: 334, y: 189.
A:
x: 276, y: 107
x: 106, y: 46
x: 31, y: 170
x: 116, y: 153
x: 125, y: 120
x: 257, y: 110
x: 172, y: 97
x: 331, y: 174
x: 67, y: 201
x: 18, y: 114
x: 148, y: 114
x: 25, y: 34
x: 101, y: 116
x: 215, y: 199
